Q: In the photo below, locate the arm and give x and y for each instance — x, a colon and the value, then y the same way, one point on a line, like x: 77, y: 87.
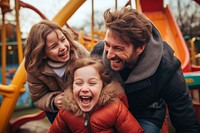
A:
x: 59, y: 125
x: 126, y: 122
x: 40, y: 94
x: 181, y: 111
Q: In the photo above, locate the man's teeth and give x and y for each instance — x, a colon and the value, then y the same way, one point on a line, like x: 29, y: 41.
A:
x: 116, y: 61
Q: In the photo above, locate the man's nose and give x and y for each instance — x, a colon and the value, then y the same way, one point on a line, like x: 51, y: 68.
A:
x: 110, y: 53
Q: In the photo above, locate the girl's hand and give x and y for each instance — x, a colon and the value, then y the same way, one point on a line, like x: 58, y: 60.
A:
x: 58, y: 100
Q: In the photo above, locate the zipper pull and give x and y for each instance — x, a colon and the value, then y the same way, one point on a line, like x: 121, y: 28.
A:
x: 86, y: 122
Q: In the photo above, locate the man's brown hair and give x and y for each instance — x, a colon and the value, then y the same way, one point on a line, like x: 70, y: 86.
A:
x: 129, y: 25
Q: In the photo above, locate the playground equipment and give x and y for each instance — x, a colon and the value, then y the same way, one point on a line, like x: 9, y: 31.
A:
x: 161, y: 17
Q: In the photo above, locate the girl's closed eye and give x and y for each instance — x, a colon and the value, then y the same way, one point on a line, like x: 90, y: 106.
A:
x: 78, y: 82
x: 92, y: 83
x: 63, y: 39
x: 52, y: 46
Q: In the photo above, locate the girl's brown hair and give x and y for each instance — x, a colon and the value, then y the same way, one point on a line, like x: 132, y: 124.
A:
x: 129, y: 25
x: 36, y: 41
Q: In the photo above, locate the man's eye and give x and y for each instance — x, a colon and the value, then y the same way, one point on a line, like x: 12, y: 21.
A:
x: 119, y: 49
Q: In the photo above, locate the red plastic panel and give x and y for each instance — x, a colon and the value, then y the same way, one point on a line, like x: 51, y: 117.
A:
x: 151, y: 5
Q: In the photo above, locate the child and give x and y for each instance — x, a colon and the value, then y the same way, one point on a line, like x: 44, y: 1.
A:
x: 49, y: 50
x: 91, y: 102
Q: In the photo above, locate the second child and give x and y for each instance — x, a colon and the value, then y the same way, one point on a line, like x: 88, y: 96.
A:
x: 49, y: 51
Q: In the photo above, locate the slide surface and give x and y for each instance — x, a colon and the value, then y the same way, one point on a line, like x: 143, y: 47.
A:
x: 162, y: 23
x: 162, y: 18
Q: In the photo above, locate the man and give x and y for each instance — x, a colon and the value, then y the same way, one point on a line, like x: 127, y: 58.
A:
x: 136, y: 55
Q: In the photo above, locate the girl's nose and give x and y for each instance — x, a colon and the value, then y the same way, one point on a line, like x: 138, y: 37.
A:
x: 85, y: 88
x: 62, y: 47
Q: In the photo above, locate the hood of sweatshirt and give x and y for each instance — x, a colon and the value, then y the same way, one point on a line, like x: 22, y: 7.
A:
x: 148, y: 61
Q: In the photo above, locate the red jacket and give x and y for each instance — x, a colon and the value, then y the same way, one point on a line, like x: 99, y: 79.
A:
x: 109, y: 116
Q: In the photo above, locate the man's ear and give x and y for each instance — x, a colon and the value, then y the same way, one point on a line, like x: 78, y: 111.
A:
x: 140, y: 49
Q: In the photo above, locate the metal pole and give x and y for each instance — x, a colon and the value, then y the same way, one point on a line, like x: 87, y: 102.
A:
x: 67, y: 11
x: 3, y: 36
x: 19, y: 40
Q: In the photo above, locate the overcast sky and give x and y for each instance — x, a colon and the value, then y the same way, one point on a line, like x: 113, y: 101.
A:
x: 51, y: 7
